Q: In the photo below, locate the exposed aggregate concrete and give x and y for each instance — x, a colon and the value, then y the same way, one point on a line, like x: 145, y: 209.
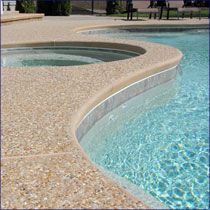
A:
x: 43, y: 165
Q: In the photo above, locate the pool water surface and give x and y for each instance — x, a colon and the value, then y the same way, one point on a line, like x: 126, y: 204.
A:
x: 159, y: 140
x: 60, y: 56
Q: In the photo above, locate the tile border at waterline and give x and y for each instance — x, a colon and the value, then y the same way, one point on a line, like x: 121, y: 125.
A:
x: 123, y: 95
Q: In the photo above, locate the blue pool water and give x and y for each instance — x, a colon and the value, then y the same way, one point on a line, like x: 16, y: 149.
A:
x: 159, y: 140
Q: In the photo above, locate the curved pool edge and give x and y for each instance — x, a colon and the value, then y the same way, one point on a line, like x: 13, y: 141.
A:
x: 121, y: 84
x: 134, y: 190
x: 168, y: 26
x: 110, y: 98
x: 107, y: 105
x: 121, y: 96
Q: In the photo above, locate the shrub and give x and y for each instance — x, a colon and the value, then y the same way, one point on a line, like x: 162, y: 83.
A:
x: 54, y: 7
x: 44, y: 6
x: 26, y: 6
x: 110, y: 7
x: 62, y: 7
x: 118, y: 7
x: 114, y: 7
x: 201, y: 3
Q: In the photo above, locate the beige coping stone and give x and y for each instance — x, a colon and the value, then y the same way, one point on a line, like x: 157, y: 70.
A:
x: 11, y: 18
x: 43, y: 165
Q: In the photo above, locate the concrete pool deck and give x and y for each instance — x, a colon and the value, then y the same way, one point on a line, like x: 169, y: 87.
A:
x: 43, y: 166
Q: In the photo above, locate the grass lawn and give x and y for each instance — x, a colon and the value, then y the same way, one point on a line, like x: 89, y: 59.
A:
x: 204, y: 13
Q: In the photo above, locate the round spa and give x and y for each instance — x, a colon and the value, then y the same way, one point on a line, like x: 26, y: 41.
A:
x: 64, y: 55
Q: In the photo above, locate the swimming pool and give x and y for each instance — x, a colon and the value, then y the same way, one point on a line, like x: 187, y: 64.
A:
x: 60, y: 56
x: 159, y: 140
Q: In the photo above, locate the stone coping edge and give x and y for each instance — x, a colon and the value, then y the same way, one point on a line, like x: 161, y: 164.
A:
x: 149, y: 26
x: 123, y: 95
x: 113, y: 101
x: 24, y: 17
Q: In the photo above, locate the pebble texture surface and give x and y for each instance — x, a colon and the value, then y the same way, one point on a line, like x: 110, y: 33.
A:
x: 43, y: 166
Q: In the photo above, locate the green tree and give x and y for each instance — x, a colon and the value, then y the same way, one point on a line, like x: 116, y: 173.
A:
x: 114, y: 7
x: 26, y: 6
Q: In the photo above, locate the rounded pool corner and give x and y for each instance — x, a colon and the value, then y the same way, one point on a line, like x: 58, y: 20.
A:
x: 189, y: 103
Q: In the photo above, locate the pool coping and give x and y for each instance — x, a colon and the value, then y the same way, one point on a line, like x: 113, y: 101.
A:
x: 121, y: 96
x: 115, y: 100
x: 166, y: 26
x: 84, y: 119
x: 9, y: 19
